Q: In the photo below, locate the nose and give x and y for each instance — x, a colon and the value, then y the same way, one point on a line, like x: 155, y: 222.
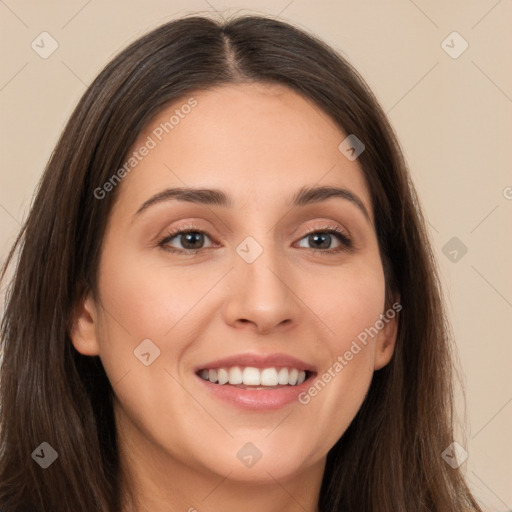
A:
x: 261, y: 294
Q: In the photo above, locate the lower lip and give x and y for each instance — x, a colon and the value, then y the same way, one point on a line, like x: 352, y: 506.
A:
x: 257, y: 400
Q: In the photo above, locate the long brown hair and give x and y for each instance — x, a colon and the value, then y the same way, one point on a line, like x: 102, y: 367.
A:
x: 389, y: 459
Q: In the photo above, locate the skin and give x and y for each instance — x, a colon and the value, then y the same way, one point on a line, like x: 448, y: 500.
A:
x: 178, y: 443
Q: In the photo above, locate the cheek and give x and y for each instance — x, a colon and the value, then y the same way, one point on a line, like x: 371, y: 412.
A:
x: 143, y: 301
x: 150, y: 300
x: 353, y: 312
x: 347, y: 301
x: 351, y: 308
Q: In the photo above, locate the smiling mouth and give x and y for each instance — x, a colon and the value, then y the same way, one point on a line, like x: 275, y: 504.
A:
x: 255, y: 378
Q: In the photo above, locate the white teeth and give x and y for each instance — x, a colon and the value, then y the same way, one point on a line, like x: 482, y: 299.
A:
x: 283, y: 376
x: 235, y: 375
x: 222, y: 376
x: 269, y: 377
x: 250, y: 376
x: 212, y: 375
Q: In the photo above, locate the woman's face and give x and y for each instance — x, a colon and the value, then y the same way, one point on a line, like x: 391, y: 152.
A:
x: 270, y: 286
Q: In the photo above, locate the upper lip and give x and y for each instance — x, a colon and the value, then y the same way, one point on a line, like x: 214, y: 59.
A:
x: 258, y: 361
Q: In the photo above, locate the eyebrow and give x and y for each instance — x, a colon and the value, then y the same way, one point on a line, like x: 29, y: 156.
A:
x: 215, y: 197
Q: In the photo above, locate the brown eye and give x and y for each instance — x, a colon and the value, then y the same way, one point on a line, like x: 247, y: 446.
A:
x: 188, y: 240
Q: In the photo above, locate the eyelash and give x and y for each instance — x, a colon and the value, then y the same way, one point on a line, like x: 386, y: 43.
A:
x: 345, y: 240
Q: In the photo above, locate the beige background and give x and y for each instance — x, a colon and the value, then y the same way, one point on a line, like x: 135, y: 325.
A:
x: 453, y: 117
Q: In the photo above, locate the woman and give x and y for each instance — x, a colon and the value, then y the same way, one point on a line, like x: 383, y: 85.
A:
x: 225, y: 296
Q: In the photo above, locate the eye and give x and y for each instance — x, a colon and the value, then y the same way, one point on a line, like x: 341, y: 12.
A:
x: 190, y: 238
x: 322, y: 238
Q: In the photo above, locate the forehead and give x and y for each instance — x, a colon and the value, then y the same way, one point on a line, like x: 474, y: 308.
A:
x: 258, y: 142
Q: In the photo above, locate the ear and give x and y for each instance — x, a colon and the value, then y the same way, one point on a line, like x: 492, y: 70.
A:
x: 84, y: 330
x: 386, y: 339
